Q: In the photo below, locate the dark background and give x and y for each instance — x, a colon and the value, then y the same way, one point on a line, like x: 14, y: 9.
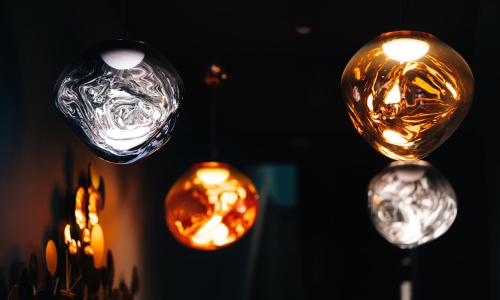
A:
x: 281, y: 105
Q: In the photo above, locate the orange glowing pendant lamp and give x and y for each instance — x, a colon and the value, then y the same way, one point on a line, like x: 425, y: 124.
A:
x: 212, y: 205
x: 406, y: 93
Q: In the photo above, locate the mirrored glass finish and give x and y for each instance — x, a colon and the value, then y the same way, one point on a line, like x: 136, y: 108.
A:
x: 122, y: 98
x: 411, y: 203
x: 406, y: 93
x: 211, y: 206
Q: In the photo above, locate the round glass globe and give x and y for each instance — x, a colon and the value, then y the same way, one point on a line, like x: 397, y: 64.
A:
x: 406, y: 93
x: 122, y: 98
x: 211, y: 206
x: 411, y: 203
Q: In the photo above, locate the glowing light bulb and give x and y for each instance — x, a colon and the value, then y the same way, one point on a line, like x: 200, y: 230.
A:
x: 411, y: 203
x: 406, y: 93
x: 211, y: 206
x: 122, y: 98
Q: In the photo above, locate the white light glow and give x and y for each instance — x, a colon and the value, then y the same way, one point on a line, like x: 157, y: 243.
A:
x: 394, y: 95
x: 394, y: 138
x: 214, y: 231
x: 405, y: 49
x: 369, y: 102
x: 122, y: 59
x: 409, y: 175
x: 212, y: 175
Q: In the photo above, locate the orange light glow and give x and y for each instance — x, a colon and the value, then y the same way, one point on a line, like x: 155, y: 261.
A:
x: 215, y: 76
x: 51, y: 257
x: 406, y: 92
x: 94, y: 176
x: 97, y: 245
x: 211, y: 206
x: 80, y: 217
x: 73, y: 247
x: 67, y: 234
x: 215, y: 69
x: 93, y: 206
x: 86, y: 235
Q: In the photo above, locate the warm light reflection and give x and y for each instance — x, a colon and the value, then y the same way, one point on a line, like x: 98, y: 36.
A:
x: 80, y: 216
x: 90, y: 238
x: 406, y: 93
x: 86, y: 235
x: 211, y: 206
x: 452, y: 90
x: 93, y: 205
x: 394, y: 96
x: 369, y: 102
x: 97, y: 245
x: 67, y: 234
x: 51, y: 257
x: 95, y: 178
x: 394, y: 138
x: 73, y: 247
x: 405, y: 49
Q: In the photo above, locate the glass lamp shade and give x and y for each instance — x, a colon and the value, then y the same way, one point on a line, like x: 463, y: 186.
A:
x: 122, y: 98
x: 406, y: 93
x: 411, y: 203
x: 211, y: 206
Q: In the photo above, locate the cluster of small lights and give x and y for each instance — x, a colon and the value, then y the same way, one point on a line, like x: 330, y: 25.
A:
x: 88, y: 202
x: 215, y: 76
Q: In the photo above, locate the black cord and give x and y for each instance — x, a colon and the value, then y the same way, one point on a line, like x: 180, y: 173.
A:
x: 123, y: 18
x: 404, y: 10
x: 409, y: 271
x: 213, y: 125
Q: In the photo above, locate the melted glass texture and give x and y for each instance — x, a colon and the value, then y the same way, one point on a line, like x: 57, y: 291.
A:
x: 411, y: 203
x: 406, y: 93
x: 211, y: 206
x: 122, y: 98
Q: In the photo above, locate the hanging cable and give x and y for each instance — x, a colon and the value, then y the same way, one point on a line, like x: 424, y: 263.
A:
x: 213, y: 125
x: 123, y: 18
x: 213, y: 79
x: 404, y: 9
